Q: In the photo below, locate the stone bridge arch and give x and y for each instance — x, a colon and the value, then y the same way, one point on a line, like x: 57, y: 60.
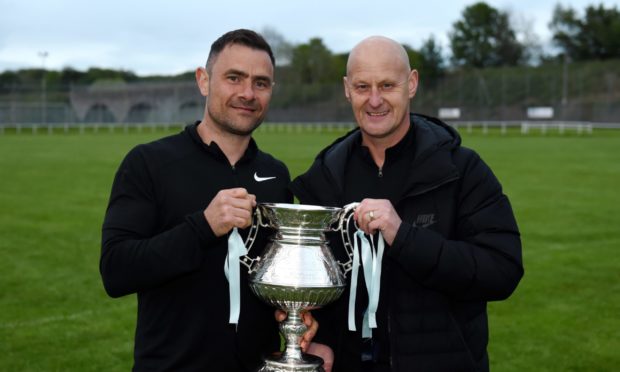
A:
x: 141, y: 112
x: 99, y: 113
x: 191, y: 110
x: 157, y: 102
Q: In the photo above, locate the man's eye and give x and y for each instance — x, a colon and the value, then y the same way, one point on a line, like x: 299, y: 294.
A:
x: 261, y: 84
x: 388, y: 86
x: 233, y: 78
x: 361, y: 87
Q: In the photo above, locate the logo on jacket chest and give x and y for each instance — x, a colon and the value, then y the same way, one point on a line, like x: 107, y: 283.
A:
x: 424, y: 220
x: 258, y: 178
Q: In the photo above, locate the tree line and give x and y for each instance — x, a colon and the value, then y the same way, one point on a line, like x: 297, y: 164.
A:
x: 482, y: 37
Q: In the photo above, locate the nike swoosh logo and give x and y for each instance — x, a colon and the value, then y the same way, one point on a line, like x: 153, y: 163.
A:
x: 261, y: 179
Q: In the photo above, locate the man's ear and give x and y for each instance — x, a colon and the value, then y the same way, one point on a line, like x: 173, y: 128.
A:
x: 202, y: 79
x: 413, y: 83
x: 347, y: 93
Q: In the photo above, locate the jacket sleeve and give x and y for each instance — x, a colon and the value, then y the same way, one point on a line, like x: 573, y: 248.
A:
x: 482, y: 260
x: 135, y: 255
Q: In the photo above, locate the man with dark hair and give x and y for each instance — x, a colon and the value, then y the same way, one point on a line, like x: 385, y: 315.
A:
x: 445, y: 235
x: 174, y: 204
x: 239, y: 37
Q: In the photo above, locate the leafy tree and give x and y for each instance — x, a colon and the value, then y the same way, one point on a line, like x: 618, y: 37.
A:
x: 428, y: 60
x: 94, y: 73
x: 30, y: 76
x: 484, y: 38
x: 415, y: 57
x: 8, y: 78
x: 282, y: 49
x: 432, y: 62
x: 340, y: 64
x: 313, y: 63
x: 595, y: 36
x: 69, y: 76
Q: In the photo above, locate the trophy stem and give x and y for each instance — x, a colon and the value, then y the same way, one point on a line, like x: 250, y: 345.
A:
x: 292, y: 359
x: 293, y: 329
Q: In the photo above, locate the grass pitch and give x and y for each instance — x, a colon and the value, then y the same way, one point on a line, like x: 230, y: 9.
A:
x: 55, y: 315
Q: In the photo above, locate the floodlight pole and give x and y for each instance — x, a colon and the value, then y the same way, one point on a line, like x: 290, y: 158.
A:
x: 43, y: 55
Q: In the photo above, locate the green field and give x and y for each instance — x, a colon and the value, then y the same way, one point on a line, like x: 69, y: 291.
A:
x: 55, y: 315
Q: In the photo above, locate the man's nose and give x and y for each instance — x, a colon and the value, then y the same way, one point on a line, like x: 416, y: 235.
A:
x: 375, y: 99
x: 247, y: 91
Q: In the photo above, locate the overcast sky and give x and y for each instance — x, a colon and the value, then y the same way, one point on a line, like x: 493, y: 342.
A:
x: 169, y: 37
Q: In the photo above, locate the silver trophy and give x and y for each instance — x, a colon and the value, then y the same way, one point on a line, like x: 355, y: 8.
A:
x: 297, y: 271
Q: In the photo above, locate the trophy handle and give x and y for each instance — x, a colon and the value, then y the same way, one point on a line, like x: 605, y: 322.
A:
x: 257, y: 222
x: 344, y: 220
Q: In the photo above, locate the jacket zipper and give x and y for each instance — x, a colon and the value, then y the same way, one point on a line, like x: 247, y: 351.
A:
x: 380, y: 173
x: 233, y: 168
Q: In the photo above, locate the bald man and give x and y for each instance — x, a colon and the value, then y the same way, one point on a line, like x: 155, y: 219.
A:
x: 450, y: 239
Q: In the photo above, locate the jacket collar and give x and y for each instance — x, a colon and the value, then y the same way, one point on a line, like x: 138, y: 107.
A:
x: 431, y: 167
x: 432, y: 164
x: 214, y: 150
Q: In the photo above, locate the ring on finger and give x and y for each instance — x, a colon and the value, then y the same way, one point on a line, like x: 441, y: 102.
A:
x: 371, y: 215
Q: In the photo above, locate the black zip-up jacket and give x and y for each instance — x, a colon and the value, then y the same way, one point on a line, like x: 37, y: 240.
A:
x: 457, y: 248
x: 157, y: 243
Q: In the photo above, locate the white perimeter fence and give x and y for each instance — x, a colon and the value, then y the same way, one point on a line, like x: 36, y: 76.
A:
x: 524, y: 127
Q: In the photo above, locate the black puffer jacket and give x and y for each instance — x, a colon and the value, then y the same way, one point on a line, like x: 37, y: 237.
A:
x: 457, y: 248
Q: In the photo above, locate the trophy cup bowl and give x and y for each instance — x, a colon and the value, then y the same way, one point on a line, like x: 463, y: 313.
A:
x: 297, y: 272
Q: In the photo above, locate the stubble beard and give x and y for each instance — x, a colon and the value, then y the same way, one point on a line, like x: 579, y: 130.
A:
x: 228, y: 126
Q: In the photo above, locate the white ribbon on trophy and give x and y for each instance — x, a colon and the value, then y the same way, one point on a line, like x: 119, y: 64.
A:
x: 236, y: 249
x: 371, y: 262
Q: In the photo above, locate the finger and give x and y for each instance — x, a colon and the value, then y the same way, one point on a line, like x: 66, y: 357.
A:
x: 238, y: 192
x: 307, y: 318
x: 312, y: 325
x: 280, y: 315
x: 360, y: 210
x: 235, y: 216
x: 228, y: 214
x: 365, y: 221
x: 309, y: 335
x: 247, y: 202
x: 241, y: 211
x: 369, y: 226
x: 243, y: 203
x: 361, y: 221
x: 359, y: 216
x: 370, y: 216
x: 252, y: 199
x: 375, y: 227
x: 225, y: 203
x: 241, y: 222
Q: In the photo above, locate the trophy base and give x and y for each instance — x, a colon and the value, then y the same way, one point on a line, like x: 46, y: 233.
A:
x: 308, y: 363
